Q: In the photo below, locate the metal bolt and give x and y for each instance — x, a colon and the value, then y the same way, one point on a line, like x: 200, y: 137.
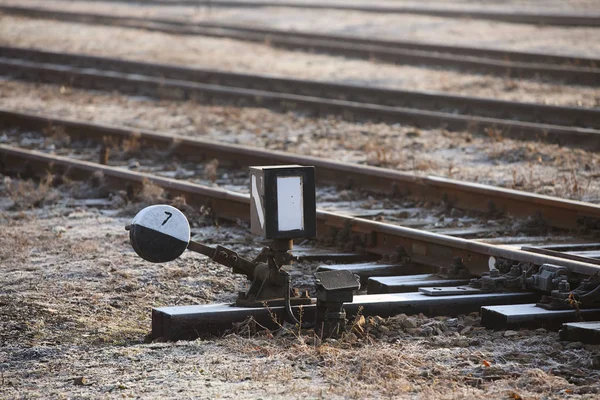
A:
x: 564, y: 286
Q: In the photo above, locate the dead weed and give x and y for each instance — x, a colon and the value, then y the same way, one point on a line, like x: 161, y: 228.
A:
x: 27, y: 194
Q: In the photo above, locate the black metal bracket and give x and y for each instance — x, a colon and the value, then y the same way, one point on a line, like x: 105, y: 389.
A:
x: 334, y: 288
x: 555, y: 282
x: 269, y: 280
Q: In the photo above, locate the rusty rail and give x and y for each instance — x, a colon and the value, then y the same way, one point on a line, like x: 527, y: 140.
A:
x: 570, y: 19
x: 352, y: 110
x: 422, y: 247
x: 568, y: 214
x: 466, y: 105
x: 522, y: 16
x: 504, y: 63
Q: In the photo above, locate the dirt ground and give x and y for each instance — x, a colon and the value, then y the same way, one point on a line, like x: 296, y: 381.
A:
x: 75, y: 310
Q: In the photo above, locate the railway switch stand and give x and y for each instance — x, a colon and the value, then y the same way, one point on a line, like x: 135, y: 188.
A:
x: 283, y: 208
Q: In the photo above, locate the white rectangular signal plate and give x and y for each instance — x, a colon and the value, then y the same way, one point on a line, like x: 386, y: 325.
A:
x: 290, y: 211
x: 283, y: 201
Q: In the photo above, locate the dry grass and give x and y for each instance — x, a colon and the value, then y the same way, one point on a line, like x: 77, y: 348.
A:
x: 404, y: 368
x: 15, y: 247
x: 131, y: 147
x: 56, y: 135
x: 383, y: 153
x: 394, y: 358
x: 574, y: 185
x: 150, y: 193
x: 210, y: 170
x: 27, y: 194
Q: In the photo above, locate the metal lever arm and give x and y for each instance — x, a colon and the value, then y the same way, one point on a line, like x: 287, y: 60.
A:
x: 226, y: 257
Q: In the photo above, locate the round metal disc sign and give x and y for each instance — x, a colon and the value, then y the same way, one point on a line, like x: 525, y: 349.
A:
x: 159, y: 233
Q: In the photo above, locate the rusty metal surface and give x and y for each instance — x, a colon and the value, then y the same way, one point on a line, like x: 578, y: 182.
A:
x: 561, y: 254
x: 531, y: 112
x: 376, y: 237
x: 464, y: 58
x: 471, y: 196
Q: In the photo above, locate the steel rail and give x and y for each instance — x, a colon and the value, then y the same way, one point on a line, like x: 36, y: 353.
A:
x: 202, y: 92
x: 424, y: 248
x: 504, y: 55
x: 568, y: 69
x: 560, y: 213
x: 530, y: 112
x: 474, y: 52
x: 521, y: 16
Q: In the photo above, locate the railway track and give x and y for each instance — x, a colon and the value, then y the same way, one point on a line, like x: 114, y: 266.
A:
x: 437, y: 263
x: 424, y: 100
x: 441, y: 285
x: 566, y: 69
x: 407, y: 251
x: 524, y: 17
x: 320, y: 98
x: 489, y: 200
x: 376, y: 237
